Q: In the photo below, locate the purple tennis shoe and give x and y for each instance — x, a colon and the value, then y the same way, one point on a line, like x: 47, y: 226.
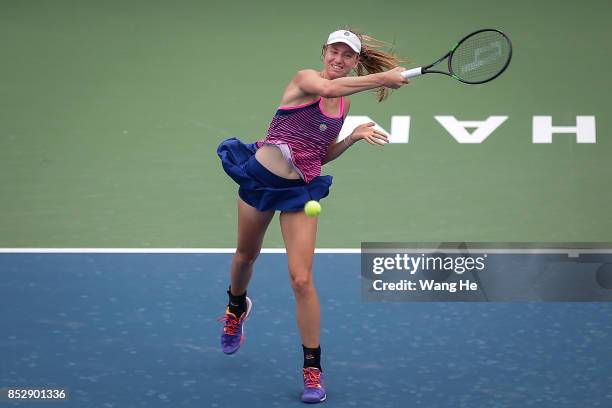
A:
x: 314, y: 387
x: 233, y: 329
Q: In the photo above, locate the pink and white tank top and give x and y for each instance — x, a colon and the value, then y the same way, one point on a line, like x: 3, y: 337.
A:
x: 303, y: 133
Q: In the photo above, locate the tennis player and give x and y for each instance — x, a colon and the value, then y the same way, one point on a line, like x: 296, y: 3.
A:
x: 283, y: 171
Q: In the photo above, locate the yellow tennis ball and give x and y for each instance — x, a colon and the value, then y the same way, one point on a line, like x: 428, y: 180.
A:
x: 312, y: 208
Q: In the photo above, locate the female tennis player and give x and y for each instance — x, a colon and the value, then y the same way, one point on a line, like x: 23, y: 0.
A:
x: 282, y: 172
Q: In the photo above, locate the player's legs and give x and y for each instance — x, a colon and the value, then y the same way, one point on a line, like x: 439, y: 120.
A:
x: 252, y: 225
x: 299, y: 232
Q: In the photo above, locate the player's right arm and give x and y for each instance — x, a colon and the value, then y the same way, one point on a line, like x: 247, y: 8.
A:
x: 309, y: 82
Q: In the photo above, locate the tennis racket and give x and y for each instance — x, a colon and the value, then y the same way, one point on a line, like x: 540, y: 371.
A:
x: 478, y: 58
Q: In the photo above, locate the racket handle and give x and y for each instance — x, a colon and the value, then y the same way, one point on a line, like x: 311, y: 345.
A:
x: 412, y: 72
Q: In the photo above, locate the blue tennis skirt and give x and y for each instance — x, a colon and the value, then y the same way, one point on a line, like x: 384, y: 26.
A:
x: 262, y: 189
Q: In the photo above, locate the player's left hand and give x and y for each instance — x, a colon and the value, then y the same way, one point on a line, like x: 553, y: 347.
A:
x: 367, y: 132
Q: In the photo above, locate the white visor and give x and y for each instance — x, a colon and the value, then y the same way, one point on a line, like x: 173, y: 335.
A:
x: 345, y: 36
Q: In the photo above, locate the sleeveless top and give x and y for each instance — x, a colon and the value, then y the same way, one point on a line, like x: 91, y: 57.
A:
x: 304, y: 133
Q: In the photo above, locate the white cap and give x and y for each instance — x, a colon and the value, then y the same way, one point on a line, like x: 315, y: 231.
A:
x: 345, y: 36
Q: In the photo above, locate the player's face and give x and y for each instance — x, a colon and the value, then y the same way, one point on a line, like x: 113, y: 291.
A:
x: 338, y: 60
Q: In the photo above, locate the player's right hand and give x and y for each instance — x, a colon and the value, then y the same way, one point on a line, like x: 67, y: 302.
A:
x: 394, y: 79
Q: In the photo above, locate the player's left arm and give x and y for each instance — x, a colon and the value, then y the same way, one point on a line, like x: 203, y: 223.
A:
x: 365, y: 131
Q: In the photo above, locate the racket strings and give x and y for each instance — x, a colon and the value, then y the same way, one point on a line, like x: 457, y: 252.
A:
x: 481, y: 57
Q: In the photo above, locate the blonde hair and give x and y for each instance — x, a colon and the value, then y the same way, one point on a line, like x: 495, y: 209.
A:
x: 373, y: 59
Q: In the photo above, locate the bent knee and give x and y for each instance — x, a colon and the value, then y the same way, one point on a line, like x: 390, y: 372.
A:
x: 246, y: 257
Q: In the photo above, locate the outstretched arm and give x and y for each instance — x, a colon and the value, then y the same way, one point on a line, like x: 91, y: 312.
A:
x: 310, y: 82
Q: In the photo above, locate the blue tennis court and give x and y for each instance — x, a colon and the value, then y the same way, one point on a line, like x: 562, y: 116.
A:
x: 140, y: 329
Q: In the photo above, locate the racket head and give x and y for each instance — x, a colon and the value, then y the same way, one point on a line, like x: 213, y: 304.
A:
x: 480, y: 56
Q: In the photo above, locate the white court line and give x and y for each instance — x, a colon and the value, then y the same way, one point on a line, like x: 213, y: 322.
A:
x: 162, y: 250
x: 569, y: 251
